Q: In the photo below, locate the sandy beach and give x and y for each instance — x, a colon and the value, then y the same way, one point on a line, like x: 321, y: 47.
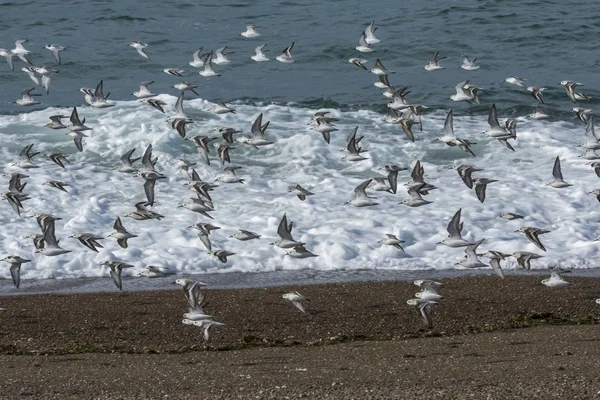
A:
x: 358, y: 340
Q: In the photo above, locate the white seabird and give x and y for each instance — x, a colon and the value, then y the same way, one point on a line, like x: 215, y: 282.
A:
x: 208, y: 70
x: 259, y: 53
x: 297, y: 300
x: 116, y: 268
x: 515, y: 80
x: 286, y: 56
x: 392, y: 240
x: 360, y: 196
x: 139, y: 47
x: 250, y: 32
x: 555, y: 279
x: 558, y: 181
x: 379, y: 69
x: 434, y: 62
x: 55, y: 49
x: 15, y: 268
x: 363, y: 46
x: 27, y: 98
x: 197, y: 58
x: 8, y: 55
x: 144, y: 92
x: 454, y: 228
x: 21, y: 51
x: 220, y: 57
x: 284, y: 231
x: 370, y: 34
x: 469, y: 65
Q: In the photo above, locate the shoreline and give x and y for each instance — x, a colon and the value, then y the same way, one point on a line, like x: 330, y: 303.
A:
x: 357, y: 339
x: 257, y: 280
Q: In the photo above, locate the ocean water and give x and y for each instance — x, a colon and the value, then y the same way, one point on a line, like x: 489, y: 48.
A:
x: 540, y: 41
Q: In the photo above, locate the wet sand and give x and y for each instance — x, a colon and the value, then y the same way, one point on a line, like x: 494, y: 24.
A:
x: 358, y: 340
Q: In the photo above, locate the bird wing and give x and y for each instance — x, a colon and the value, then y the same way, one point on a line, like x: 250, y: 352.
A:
x: 56, y: 55
x: 116, y: 278
x: 9, y: 61
x: 362, y: 40
x: 360, y: 189
x: 205, y: 240
x: 589, y: 129
x: 15, y: 273
x: 50, y: 235
x: 425, y: 310
x: 46, y: 83
x: 149, y: 190
x: 471, y: 251
x: 417, y: 172
x: 533, y: 237
x: 460, y: 87
x: 157, y: 104
x: 282, y: 229
x: 75, y: 117
x: 495, y: 264
x: 126, y: 158
x: 99, y: 92
x: 118, y: 226
x: 179, y: 104
x: 393, y: 181
x: 493, y: 117
x: 556, y: 171
x: 480, y: 192
x: 454, y: 225
x: 147, y: 158
x: 88, y: 243
x: 384, y: 79
x: 448, y: 125
x: 299, y: 306
x: 256, y: 126
x: 78, y: 142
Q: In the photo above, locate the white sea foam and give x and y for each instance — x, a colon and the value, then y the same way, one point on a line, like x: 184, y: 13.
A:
x: 343, y: 236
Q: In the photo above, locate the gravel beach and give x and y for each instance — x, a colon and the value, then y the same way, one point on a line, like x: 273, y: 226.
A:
x: 357, y: 340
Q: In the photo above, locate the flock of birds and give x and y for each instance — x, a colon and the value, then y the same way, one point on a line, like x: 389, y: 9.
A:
x: 400, y: 112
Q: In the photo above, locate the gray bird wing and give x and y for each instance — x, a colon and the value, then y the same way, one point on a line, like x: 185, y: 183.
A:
x: 116, y: 277
x: 149, y: 189
x: 454, y: 225
x: 15, y: 273
x: 480, y: 192
x: 556, y: 170
x: 493, y: 117
x: 449, y: 124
